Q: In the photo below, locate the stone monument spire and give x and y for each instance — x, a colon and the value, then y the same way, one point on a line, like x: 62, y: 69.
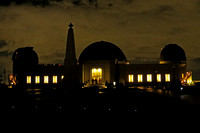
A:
x: 70, y: 54
x: 71, y: 80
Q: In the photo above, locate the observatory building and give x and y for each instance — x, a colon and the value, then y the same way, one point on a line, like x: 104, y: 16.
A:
x: 98, y: 68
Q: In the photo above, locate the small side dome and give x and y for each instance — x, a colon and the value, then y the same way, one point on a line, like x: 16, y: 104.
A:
x: 102, y: 51
x: 172, y: 53
x: 25, y: 55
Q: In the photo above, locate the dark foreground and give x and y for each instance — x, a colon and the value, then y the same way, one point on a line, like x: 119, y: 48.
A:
x: 93, y: 100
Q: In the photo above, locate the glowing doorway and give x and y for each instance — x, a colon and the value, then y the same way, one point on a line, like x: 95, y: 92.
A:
x: 96, y: 75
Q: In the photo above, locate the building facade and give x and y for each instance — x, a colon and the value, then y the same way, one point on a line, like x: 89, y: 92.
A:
x: 100, y: 63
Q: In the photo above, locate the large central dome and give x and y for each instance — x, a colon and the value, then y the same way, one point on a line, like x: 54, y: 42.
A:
x: 102, y: 51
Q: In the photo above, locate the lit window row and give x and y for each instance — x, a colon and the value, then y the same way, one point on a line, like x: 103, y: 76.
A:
x: 46, y: 79
x: 149, y: 78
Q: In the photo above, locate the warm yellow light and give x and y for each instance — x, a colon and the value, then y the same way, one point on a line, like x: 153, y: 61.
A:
x: 114, y: 83
x: 99, y: 69
x: 55, y: 79
x: 97, y: 75
x: 46, y: 79
x: 62, y: 77
x: 158, y: 77
x: 10, y: 86
x: 94, y: 70
x: 149, y: 77
x: 130, y: 78
x: 189, y: 80
x: 28, y: 79
x: 183, y: 75
x: 167, y: 77
x: 37, y: 79
x: 140, y: 78
x: 12, y: 79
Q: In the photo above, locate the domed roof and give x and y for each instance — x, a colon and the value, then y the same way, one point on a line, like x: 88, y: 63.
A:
x: 102, y: 51
x: 173, y: 52
x: 25, y: 55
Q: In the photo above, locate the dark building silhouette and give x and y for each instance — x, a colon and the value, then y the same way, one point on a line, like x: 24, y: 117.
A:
x: 25, y: 61
x: 172, y: 53
x: 100, y: 64
x: 71, y: 80
x: 28, y: 73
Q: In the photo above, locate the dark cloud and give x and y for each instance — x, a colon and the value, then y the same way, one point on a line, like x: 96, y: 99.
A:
x: 3, y: 43
x: 78, y: 3
x: 164, y: 9
x: 93, y: 3
x: 44, y: 3
x: 5, y: 2
x: 161, y: 10
x: 33, y: 2
x: 5, y: 53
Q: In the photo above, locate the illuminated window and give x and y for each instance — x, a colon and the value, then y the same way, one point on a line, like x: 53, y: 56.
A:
x: 183, y: 75
x: 55, y: 79
x: 28, y: 79
x: 96, y: 75
x: 149, y: 77
x: 130, y: 78
x: 158, y: 77
x: 140, y: 78
x: 167, y: 77
x: 62, y: 77
x: 37, y: 79
x: 46, y: 79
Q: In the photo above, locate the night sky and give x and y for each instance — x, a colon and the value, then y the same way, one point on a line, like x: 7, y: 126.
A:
x: 139, y: 27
